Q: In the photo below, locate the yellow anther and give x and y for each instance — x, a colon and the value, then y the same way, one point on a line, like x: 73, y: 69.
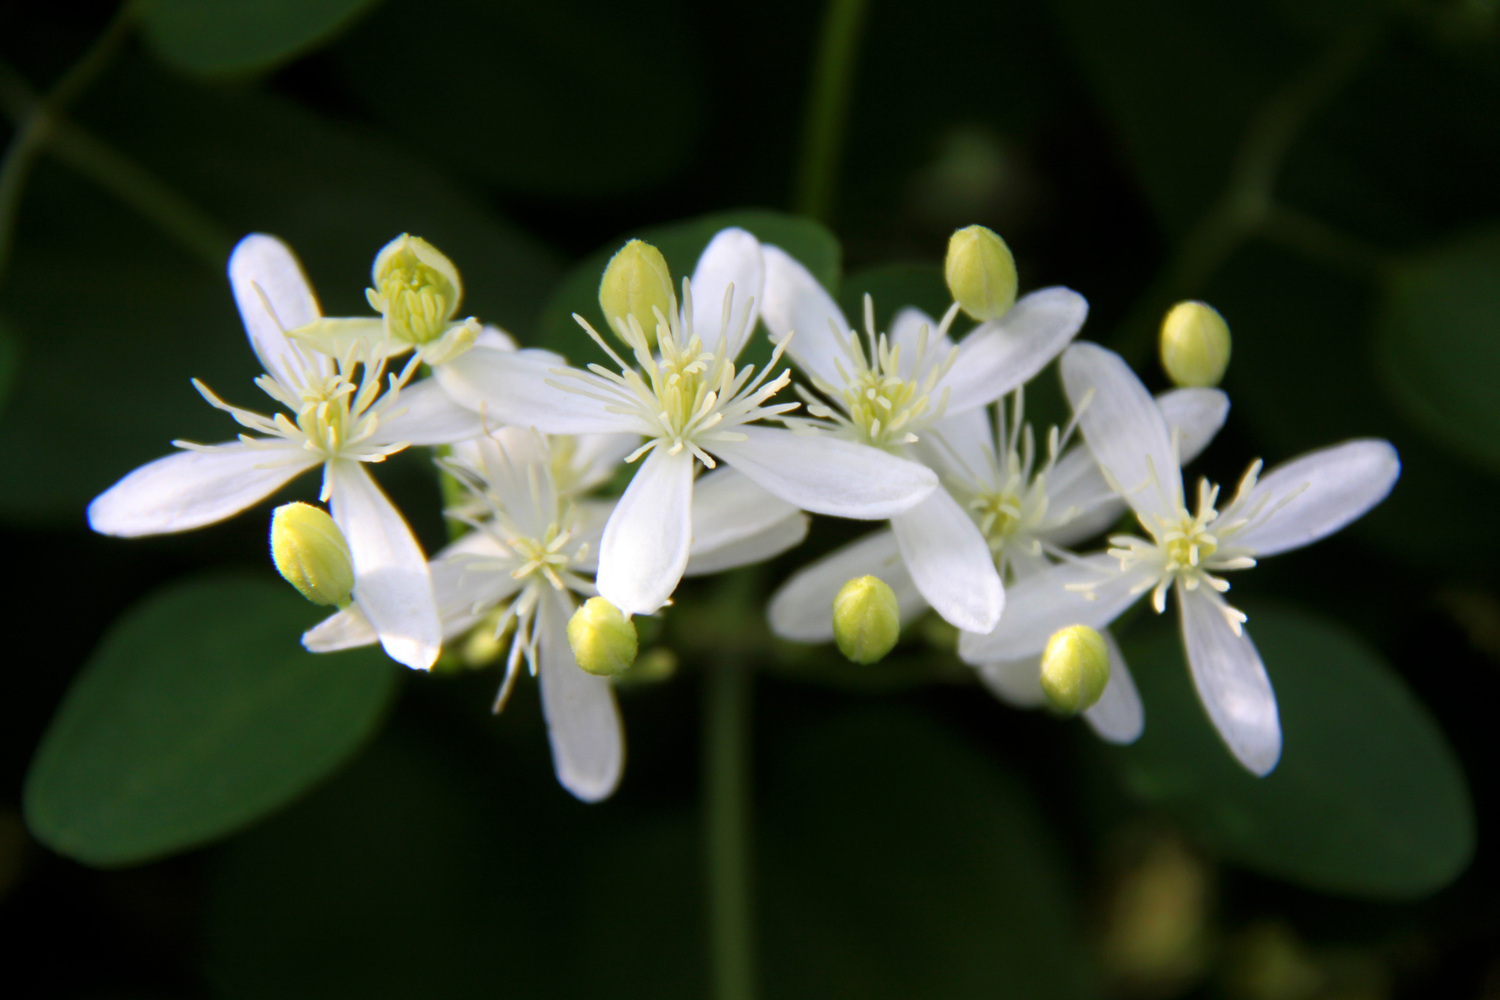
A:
x: 1075, y: 668
x: 1194, y: 344
x: 981, y: 273
x: 417, y: 290
x: 636, y: 284
x: 866, y: 619
x: 310, y: 552
x: 603, y: 639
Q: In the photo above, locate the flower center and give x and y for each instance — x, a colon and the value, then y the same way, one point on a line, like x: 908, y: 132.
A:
x: 542, y: 557
x: 1188, y: 543
x: 415, y: 298
x: 998, y: 514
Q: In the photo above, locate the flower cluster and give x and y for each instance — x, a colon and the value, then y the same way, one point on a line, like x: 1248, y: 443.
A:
x: 721, y: 465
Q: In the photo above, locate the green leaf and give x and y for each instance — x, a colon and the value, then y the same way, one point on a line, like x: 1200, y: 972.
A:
x: 198, y: 714
x: 902, y: 862
x: 1440, y: 343
x: 1368, y: 800
x: 10, y: 359
x: 681, y: 243
x: 233, y: 37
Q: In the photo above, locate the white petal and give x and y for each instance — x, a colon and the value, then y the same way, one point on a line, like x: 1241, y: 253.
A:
x: 962, y: 445
x: 1124, y: 429
x: 467, y: 589
x: 1195, y: 415
x: 645, y: 546
x: 795, y: 302
x: 583, y: 722
x: 950, y: 562
x: 1117, y: 716
x: 273, y: 296
x: 728, y: 507
x: 906, y: 332
x: 425, y: 414
x: 1039, y: 605
x: 770, y: 541
x: 998, y: 356
x: 194, y: 488
x: 494, y: 338
x: 802, y: 609
x: 1327, y: 489
x: 1231, y: 681
x: 336, y: 336
x: 732, y: 257
x: 1015, y: 682
x: 596, y: 457
x: 391, y: 583
x: 346, y: 629
x: 509, y: 388
x: 827, y: 475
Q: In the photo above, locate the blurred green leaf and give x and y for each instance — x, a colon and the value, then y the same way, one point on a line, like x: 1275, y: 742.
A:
x: 893, y: 287
x: 902, y: 862
x: 681, y: 243
x: 1368, y: 800
x: 567, y: 98
x: 1440, y: 343
x: 10, y: 358
x: 231, y: 37
x: 198, y: 714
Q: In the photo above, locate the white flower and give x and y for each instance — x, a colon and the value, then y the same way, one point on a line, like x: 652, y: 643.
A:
x: 1291, y: 506
x: 344, y: 414
x: 692, y: 405
x: 894, y: 392
x: 534, y: 549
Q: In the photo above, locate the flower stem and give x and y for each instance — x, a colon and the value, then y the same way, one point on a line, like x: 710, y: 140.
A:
x: 828, y: 106
x: 726, y: 777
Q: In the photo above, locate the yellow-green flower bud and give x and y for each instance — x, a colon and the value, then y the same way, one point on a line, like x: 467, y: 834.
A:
x: 603, y: 639
x: 417, y: 290
x: 981, y: 273
x: 1194, y: 345
x: 1075, y: 668
x: 310, y: 552
x: 636, y: 283
x: 866, y: 619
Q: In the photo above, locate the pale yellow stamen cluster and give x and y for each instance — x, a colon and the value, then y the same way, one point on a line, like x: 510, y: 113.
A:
x: 416, y: 298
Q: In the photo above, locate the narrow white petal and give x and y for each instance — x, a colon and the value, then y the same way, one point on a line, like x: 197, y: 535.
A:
x: 391, y: 582
x: 906, y: 333
x: 1328, y: 489
x: 1196, y: 416
x: 273, y: 296
x: 494, y: 338
x: 1124, y: 429
x: 426, y: 414
x: 794, y: 302
x: 1231, y: 681
x: 1039, y: 605
x: 596, y: 457
x: 583, y: 721
x: 346, y: 629
x: 827, y: 475
x: 194, y: 488
x: 962, y: 445
x: 732, y: 257
x: 998, y: 356
x: 645, y: 546
x: 465, y: 588
x: 728, y: 506
x: 1015, y: 682
x: 950, y: 562
x: 509, y: 388
x: 1117, y: 716
x: 768, y: 542
x: 802, y: 609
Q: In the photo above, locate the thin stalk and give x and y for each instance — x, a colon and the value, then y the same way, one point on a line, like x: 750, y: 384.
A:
x: 726, y: 777
x: 828, y: 107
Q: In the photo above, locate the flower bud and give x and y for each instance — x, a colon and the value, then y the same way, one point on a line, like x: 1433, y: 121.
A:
x: 981, y: 273
x: 417, y: 290
x: 603, y: 639
x: 1075, y: 668
x: 866, y: 619
x: 636, y: 283
x: 1194, y: 345
x: 310, y: 552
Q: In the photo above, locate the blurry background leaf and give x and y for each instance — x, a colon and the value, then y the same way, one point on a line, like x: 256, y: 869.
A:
x: 1368, y: 800
x: 231, y: 37
x: 617, y: 108
x: 893, y: 287
x: 197, y: 715
x: 1440, y: 343
x: 899, y: 861
x: 10, y: 358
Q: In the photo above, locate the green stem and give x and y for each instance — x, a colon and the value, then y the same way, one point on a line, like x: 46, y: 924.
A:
x: 828, y: 106
x: 726, y: 776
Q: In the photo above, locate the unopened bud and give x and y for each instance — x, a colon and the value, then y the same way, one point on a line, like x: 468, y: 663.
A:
x: 310, y: 552
x: 866, y: 619
x: 981, y: 273
x: 636, y: 283
x: 1194, y: 345
x: 602, y: 638
x: 1075, y: 668
x: 417, y: 290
